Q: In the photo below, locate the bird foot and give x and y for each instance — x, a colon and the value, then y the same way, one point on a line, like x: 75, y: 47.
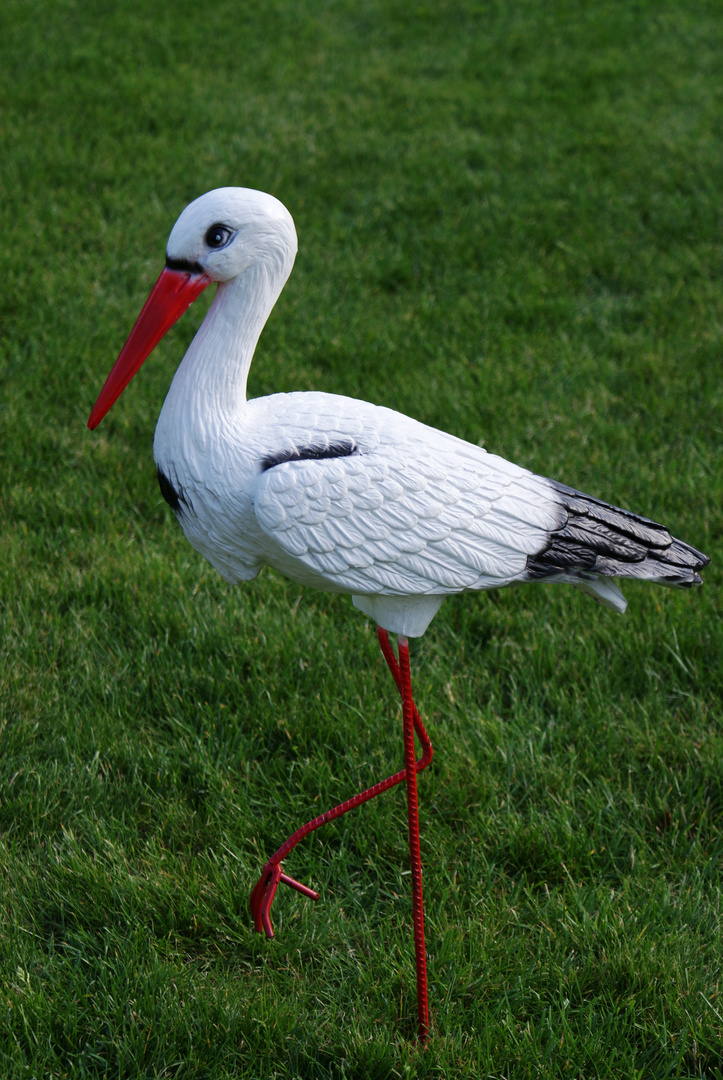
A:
x: 263, y: 893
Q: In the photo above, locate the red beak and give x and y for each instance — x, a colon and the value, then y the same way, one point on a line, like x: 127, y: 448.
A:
x: 174, y: 291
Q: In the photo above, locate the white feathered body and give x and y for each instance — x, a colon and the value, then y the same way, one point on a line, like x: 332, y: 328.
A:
x: 405, y: 510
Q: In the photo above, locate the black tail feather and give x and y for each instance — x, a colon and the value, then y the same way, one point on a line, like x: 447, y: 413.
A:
x: 595, y: 537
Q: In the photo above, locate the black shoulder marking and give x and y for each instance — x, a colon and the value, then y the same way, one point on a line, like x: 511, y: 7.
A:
x: 184, y: 264
x: 595, y: 537
x: 175, y: 498
x: 343, y: 448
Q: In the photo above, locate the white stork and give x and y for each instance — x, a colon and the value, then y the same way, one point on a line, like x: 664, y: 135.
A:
x: 347, y: 496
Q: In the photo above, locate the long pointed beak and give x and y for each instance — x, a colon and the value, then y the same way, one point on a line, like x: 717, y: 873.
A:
x: 172, y: 294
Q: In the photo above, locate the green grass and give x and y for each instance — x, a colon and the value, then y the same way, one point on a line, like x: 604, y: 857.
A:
x: 509, y: 220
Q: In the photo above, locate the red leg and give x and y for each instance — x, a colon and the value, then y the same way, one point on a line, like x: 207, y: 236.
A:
x: 415, y: 858
x: 264, y: 891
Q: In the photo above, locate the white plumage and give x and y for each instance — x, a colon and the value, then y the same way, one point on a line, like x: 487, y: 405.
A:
x: 409, y: 511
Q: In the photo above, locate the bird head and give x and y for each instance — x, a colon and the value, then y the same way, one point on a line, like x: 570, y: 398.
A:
x: 218, y: 237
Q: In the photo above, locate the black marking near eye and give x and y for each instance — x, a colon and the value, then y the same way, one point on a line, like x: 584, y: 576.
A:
x: 344, y: 448
x: 183, y: 264
x: 218, y: 236
x: 175, y: 498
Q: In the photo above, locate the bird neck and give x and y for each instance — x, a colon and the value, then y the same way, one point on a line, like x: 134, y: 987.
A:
x: 209, y: 387
x: 216, y: 366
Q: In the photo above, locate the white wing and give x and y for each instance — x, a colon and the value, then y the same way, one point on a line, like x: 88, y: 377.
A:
x: 407, y: 509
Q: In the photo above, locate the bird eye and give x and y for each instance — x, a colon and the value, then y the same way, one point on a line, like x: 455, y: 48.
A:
x: 218, y: 236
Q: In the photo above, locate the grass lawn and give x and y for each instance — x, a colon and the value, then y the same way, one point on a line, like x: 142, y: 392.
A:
x: 510, y: 227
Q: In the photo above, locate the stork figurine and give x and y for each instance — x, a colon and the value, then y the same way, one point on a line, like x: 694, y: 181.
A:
x: 347, y: 496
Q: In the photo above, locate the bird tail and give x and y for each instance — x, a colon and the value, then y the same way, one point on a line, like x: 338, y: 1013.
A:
x: 596, y: 541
